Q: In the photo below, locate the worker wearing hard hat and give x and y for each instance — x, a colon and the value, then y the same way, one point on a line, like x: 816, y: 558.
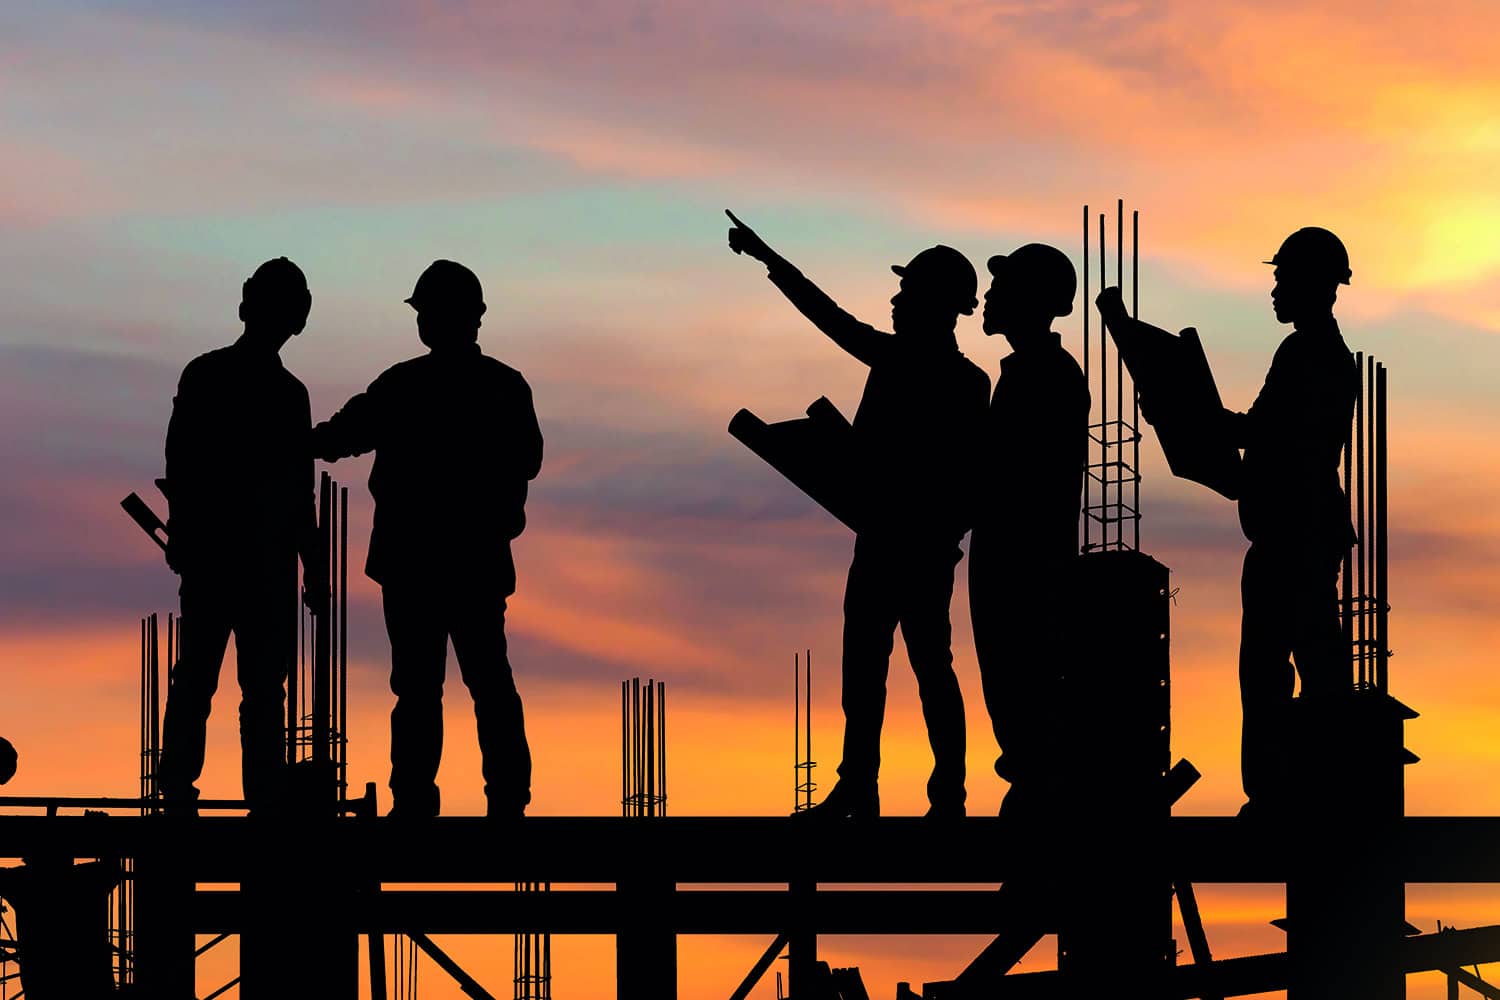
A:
x: 1025, y: 541
x: 456, y: 442
x: 1294, y: 511
x: 923, y: 402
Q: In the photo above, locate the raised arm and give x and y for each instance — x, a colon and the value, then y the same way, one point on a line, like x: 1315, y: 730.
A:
x: 860, y: 339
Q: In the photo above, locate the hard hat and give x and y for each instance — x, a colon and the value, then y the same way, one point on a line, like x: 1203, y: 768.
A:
x: 945, y: 273
x: 1044, y: 272
x: 1314, y: 252
x: 447, y: 285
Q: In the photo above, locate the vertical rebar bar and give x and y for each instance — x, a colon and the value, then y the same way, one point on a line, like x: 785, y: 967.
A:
x: 662, y: 739
x: 1374, y: 515
x: 1120, y: 382
x: 142, y: 714
x: 796, y: 731
x: 334, y: 650
x: 625, y: 748
x: 344, y: 643
x: 1088, y: 350
x: 636, y: 748
x: 1347, y: 583
x: 1382, y: 591
x: 322, y: 650
x: 1361, y: 532
x: 1135, y: 394
x: 809, y: 781
x: 1103, y: 400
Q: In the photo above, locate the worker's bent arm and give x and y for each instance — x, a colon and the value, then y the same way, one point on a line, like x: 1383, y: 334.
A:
x: 860, y: 339
x: 353, y: 430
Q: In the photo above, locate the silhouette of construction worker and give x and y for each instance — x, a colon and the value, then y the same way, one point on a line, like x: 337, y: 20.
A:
x: 923, y: 403
x: 8, y: 760
x: 456, y: 441
x: 1025, y: 542
x: 62, y: 925
x: 239, y: 488
x: 1294, y: 511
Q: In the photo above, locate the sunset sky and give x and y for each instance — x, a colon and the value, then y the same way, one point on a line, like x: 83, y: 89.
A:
x: 578, y: 155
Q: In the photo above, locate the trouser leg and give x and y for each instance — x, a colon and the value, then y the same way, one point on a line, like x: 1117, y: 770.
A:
x: 928, y: 632
x: 191, y: 686
x: 480, y: 647
x: 417, y: 628
x: 1318, y: 637
x: 265, y: 639
x: 869, y: 634
x: 1266, y: 674
x: 1017, y: 673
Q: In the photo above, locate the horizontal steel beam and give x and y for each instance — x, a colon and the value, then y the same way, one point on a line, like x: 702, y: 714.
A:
x: 593, y: 911
x: 742, y: 850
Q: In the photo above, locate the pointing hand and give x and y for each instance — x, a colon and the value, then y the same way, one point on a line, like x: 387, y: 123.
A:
x: 743, y: 239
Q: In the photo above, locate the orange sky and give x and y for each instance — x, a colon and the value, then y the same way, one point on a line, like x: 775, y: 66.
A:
x: 577, y: 156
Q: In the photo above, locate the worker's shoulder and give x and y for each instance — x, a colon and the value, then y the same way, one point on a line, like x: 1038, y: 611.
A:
x: 502, y: 375
x: 209, y: 365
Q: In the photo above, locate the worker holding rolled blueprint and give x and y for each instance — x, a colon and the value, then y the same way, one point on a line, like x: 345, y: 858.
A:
x: 912, y: 444
x: 1292, y: 505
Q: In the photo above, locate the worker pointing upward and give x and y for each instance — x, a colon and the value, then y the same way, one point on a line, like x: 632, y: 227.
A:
x: 923, y: 403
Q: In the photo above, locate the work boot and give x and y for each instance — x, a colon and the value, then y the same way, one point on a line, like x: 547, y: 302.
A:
x: 413, y: 806
x: 946, y: 811
x: 844, y: 801
x: 504, y: 812
x: 180, y: 801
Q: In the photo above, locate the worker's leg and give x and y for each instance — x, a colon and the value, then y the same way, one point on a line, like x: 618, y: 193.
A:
x: 265, y: 641
x: 1013, y: 611
x: 191, y: 685
x: 478, y: 623
x: 416, y: 624
x: 870, y: 617
x: 927, y: 628
x: 1322, y: 656
x: 1266, y: 675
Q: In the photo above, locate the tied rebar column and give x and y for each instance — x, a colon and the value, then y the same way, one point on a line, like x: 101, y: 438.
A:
x: 1115, y: 921
x: 533, y: 956
x: 803, y: 764
x: 1114, y: 468
x: 1345, y: 900
x: 646, y: 954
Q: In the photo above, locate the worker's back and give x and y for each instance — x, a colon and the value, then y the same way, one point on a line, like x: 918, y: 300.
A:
x: 456, y: 441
